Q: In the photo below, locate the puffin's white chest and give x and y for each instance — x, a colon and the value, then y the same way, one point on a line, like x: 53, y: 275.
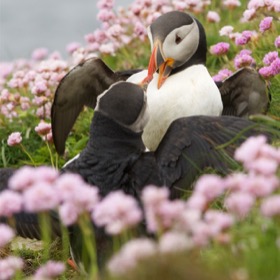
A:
x: 189, y: 92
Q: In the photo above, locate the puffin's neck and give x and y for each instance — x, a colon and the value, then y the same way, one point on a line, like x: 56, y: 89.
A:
x: 108, y: 136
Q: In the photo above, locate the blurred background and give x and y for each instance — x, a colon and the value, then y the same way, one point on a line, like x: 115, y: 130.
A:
x: 29, y: 24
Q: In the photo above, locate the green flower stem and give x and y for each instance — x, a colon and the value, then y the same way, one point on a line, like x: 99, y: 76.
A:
x: 65, y: 242
x: 50, y: 152
x: 85, y: 225
x: 45, y: 227
x: 26, y: 152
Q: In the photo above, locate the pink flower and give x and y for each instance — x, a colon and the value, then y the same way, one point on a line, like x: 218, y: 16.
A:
x: 220, y: 48
x: 270, y: 57
x: 265, y: 24
x: 266, y: 72
x: 51, y: 269
x: 218, y: 219
x: 26, y: 176
x: 213, y: 16
x: 277, y: 42
x: 40, y: 197
x: 244, y: 38
x: 40, y: 53
x: 235, y: 181
x: 6, y: 235
x: 153, y: 195
x: 222, y: 75
x: 72, y: 189
x: 43, y: 128
x: 68, y: 213
x: 197, y: 202
x: 256, y: 4
x: 210, y: 186
x: 262, y: 165
x: 172, y: 242
x: 10, y: 203
x: 201, y: 233
x: 239, y: 203
x: 187, y: 219
x: 130, y: 254
x: 250, y: 149
x: 271, y: 206
x: 248, y: 15
x: 117, y: 212
x: 9, y: 266
x: 226, y: 30
x: 231, y: 3
x: 14, y: 139
x: 243, y: 59
x: 71, y: 47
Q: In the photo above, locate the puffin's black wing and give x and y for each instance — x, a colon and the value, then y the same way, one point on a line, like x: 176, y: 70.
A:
x: 192, y: 144
x: 80, y: 87
x: 244, y: 93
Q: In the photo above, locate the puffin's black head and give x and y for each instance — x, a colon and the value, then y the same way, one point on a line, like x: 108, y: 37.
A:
x: 126, y: 104
x: 178, y: 40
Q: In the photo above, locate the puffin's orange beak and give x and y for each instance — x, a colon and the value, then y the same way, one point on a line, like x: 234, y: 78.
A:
x: 157, y: 62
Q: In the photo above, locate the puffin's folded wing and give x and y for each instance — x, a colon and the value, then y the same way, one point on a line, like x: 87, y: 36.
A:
x: 79, y: 87
x: 244, y: 93
x: 192, y: 144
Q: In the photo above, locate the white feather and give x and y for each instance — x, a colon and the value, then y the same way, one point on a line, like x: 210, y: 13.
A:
x: 186, y: 93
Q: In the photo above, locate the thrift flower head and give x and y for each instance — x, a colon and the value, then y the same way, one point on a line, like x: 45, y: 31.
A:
x: 231, y: 3
x: 243, y: 59
x: 153, y: 195
x: 68, y: 213
x: 40, y: 197
x: 40, y: 54
x: 14, y: 139
x: 26, y: 176
x: 210, y: 186
x: 220, y: 48
x: 222, y: 75
x: 49, y: 270
x: 130, y: 254
x: 174, y: 242
x: 9, y: 266
x: 239, y: 203
x: 10, y: 203
x: 270, y: 57
x: 43, y: 128
x: 277, y: 42
x: 117, y: 212
x: 6, y: 235
x: 265, y: 24
x: 226, y: 30
x: 213, y: 16
x: 271, y: 206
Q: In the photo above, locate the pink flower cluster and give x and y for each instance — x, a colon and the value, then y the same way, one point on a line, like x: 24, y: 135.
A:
x: 222, y: 75
x: 220, y: 48
x: 117, y: 212
x: 9, y: 266
x: 7, y: 234
x: 244, y: 58
x: 272, y: 60
x: 183, y: 225
x: 49, y: 270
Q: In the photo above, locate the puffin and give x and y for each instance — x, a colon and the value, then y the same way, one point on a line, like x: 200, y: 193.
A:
x: 178, y: 83
x: 115, y: 157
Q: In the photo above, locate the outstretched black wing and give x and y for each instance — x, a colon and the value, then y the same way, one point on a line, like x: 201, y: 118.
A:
x: 192, y: 144
x: 244, y: 93
x: 80, y: 87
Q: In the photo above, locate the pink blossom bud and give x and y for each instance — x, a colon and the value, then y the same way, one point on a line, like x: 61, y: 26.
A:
x: 14, y: 139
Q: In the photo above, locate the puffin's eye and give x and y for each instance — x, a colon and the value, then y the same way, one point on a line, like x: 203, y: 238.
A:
x: 178, y: 39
